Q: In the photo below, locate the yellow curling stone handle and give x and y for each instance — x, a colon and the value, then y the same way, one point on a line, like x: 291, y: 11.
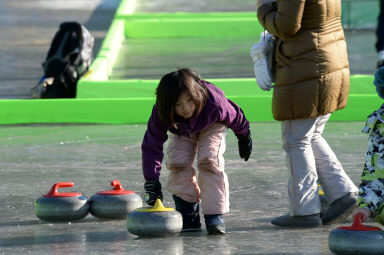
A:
x: 158, y: 207
x: 321, y: 192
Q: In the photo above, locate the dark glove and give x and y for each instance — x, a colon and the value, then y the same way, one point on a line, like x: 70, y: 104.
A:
x: 152, y: 192
x: 245, y: 146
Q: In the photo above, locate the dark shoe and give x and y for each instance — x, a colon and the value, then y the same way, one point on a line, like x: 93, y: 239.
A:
x: 190, y: 214
x: 214, y: 224
x: 216, y: 229
x: 307, y: 221
x: 340, y: 209
x: 192, y: 226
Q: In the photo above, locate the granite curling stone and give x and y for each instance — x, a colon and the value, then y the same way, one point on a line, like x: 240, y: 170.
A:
x: 357, y: 239
x: 115, y: 203
x: 156, y: 221
x: 61, y: 206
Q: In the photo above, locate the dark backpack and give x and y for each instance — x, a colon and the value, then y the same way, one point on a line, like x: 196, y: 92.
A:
x: 68, y: 59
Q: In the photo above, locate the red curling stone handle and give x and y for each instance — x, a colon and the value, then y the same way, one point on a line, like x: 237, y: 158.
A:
x: 358, y: 226
x: 54, y: 193
x: 116, y: 190
x: 116, y: 185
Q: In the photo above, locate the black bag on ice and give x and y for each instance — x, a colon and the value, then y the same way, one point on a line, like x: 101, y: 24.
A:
x: 68, y: 59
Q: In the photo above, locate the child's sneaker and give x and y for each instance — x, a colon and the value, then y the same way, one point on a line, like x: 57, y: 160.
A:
x: 214, y: 224
x: 190, y: 214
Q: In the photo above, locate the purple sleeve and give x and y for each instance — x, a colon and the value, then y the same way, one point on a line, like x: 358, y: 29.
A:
x: 226, y: 111
x: 152, y: 146
x: 234, y: 118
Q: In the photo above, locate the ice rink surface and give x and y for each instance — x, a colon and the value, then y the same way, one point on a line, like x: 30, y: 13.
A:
x: 34, y: 157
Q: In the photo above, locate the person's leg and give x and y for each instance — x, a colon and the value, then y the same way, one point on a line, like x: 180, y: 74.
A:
x: 332, y: 177
x: 370, y: 193
x: 213, y: 181
x: 182, y: 181
x: 190, y: 214
x: 304, y: 202
x: 302, y: 184
x: 337, y: 186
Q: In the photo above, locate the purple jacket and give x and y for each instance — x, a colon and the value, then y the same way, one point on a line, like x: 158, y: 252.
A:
x: 217, y: 109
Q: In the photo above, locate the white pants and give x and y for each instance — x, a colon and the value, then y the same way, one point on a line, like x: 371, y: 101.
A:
x: 310, y: 161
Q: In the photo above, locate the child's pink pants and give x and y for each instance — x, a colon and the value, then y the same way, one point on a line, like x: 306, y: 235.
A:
x: 211, y: 188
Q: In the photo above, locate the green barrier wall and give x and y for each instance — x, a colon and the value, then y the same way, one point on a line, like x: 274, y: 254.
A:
x: 101, y: 100
x: 136, y: 109
x: 107, y: 111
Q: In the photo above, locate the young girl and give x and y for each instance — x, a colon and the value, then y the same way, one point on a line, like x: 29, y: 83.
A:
x: 371, y: 193
x: 197, y: 114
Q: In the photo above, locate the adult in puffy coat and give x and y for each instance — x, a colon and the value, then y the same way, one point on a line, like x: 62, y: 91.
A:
x: 311, y: 82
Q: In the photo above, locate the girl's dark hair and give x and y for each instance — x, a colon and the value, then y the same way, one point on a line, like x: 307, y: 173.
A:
x: 171, y: 86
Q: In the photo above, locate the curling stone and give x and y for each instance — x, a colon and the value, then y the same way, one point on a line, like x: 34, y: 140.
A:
x: 115, y: 203
x: 156, y: 221
x: 61, y: 206
x: 357, y: 239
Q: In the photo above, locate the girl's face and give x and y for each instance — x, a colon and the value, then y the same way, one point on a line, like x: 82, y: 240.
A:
x: 185, y: 106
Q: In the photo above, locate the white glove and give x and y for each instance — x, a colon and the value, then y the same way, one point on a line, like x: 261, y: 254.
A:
x: 258, y: 53
x: 262, y: 74
x: 264, y: 47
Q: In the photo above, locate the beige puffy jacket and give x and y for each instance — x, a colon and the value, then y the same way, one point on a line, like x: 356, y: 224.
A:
x: 312, y: 69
